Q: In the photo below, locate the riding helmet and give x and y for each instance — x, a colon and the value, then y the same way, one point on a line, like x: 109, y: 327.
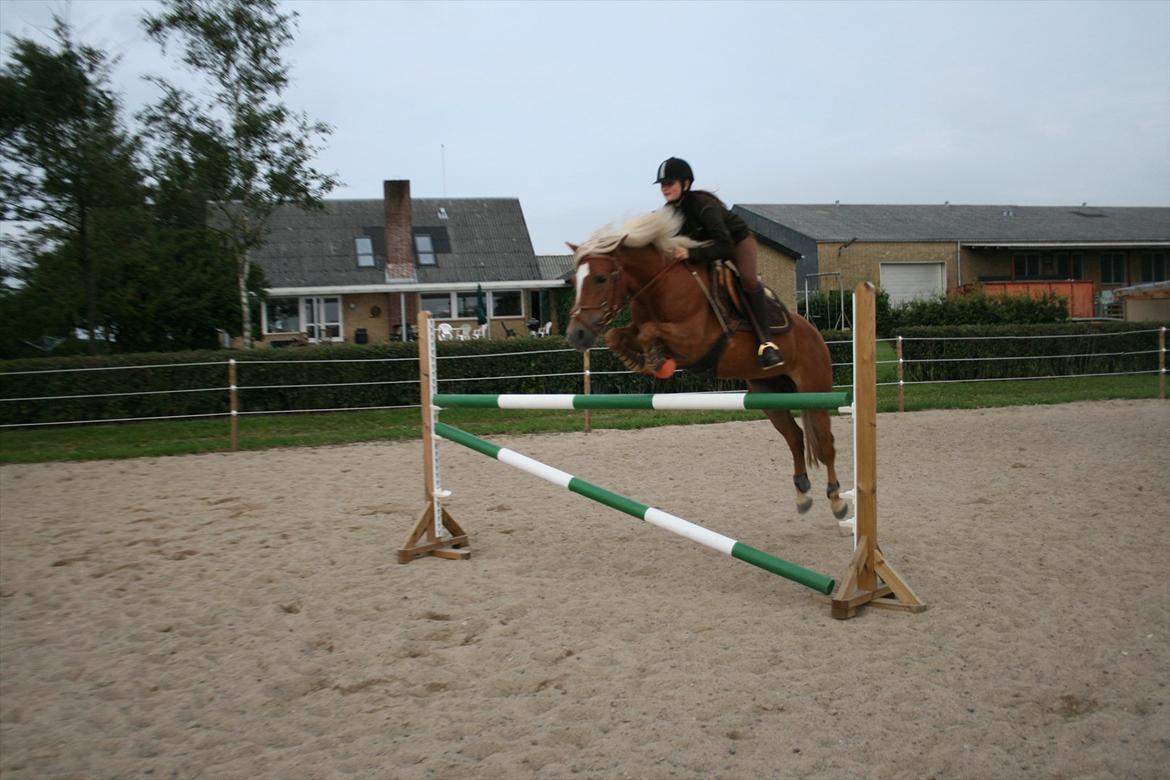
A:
x: 674, y: 169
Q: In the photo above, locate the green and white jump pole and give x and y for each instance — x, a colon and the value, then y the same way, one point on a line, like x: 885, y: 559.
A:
x: 696, y: 533
x: 659, y: 401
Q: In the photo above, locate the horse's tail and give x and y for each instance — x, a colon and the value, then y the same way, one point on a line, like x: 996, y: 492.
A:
x: 815, y: 424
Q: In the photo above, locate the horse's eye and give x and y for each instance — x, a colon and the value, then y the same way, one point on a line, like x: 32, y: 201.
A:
x: 600, y: 278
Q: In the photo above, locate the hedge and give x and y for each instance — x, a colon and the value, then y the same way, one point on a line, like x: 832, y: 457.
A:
x: 196, y: 383
x: 929, y: 357
x: 387, y: 374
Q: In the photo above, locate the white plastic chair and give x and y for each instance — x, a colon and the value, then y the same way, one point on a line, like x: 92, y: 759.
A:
x: 480, y: 332
x: 444, y: 332
x: 544, y: 329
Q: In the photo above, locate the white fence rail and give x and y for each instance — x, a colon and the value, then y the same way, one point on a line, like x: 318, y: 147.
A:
x: 235, y: 391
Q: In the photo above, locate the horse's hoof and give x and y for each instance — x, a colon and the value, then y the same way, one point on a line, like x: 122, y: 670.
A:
x: 840, y: 508
x: 803, y: 504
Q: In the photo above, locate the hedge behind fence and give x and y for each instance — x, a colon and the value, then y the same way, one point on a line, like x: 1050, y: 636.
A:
x: 1046, y: 350
x: 387, y: 374
x: 306, y: 379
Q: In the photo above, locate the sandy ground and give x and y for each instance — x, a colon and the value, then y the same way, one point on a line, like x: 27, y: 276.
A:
x: 243, y: 616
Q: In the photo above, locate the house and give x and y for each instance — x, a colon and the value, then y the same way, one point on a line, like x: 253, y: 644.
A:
x: 360, y: 270
x: 918, y: 251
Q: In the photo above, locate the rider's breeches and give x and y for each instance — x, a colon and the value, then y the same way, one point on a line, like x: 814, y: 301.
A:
x: 745, y: 261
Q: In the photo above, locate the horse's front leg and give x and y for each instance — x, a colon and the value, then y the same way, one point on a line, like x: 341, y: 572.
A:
x: 650, y: 340
x: 626, y: 343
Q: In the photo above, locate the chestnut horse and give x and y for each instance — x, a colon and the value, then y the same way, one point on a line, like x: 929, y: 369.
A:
x: 673, y: 318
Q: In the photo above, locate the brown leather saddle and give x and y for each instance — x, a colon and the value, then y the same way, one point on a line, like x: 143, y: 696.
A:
x: 730, y: 302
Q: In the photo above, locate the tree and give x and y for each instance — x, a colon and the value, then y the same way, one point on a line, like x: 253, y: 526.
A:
x: 262, y: 149
x: 67, y: 157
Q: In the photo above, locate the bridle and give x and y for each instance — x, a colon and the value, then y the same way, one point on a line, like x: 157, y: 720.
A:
x: 613, y: 303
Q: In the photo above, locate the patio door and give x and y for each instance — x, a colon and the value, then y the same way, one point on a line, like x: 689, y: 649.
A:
x: 323, y: 319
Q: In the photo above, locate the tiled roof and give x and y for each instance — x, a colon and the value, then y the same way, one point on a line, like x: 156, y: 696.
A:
x: 555, y: 266
x: 487, y: 240
x: 987, y: 224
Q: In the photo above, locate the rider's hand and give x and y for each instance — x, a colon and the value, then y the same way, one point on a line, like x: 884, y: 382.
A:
x: 681, y: 253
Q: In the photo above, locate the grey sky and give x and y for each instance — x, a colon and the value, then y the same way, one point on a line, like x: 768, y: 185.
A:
x: 570, y: 106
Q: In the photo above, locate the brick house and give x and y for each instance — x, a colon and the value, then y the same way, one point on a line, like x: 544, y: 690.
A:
x: 916, y: 251
x: 360, y: 269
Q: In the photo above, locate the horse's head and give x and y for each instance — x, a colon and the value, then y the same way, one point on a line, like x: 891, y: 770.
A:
x: 601, y: 294
x: 611, y: 266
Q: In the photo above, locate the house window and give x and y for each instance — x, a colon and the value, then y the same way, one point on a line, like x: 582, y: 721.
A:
x: 424, y: 249
x: 466, y: 304
x: 1069, y: 265
x: 1112, y: 268
x: 506, y: 303
x: 1026, y: 266
x: 365, y: 252
x: 438, y: 304
x: 317, y: 318
x: 1154, y: 267
x: 282, y: 315
x: 323, y: 319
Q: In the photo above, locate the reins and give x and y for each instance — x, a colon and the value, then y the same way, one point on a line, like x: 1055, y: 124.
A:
x: 611, y: 311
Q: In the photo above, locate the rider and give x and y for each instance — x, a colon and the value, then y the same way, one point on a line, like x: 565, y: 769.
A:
x: 707, y: 219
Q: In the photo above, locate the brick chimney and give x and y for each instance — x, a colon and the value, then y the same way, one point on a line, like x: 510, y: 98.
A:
x: 399, y: 237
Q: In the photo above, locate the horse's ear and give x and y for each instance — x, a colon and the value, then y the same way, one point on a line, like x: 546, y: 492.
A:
x: 572, y: 247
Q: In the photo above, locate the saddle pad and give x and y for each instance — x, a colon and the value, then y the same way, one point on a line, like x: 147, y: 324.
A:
x: 726, y: 280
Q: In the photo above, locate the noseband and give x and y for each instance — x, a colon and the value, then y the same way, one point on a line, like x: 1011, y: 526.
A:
x: 609, y: 310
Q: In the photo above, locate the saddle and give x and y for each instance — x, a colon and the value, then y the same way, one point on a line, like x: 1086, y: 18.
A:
x: 730, y: 305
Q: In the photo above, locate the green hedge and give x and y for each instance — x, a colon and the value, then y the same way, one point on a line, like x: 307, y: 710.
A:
x: 268, y: 379
x: 932, y: 359
x: 387, y: 375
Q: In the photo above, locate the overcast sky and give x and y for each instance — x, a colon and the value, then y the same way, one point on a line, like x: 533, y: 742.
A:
x: 570, y: 106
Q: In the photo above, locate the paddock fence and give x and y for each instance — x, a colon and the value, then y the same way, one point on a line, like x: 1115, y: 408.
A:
x: 338, y: 379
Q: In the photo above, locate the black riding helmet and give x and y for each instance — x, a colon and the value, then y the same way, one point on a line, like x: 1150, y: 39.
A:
x: 674, y: 169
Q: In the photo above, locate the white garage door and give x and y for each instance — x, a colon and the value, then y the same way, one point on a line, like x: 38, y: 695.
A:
x: 907, y: 281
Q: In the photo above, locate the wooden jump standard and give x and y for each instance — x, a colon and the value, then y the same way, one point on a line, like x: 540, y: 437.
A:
x: 868, y: 579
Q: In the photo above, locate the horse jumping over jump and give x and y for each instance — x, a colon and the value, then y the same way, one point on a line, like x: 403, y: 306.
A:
x: 673, y: 318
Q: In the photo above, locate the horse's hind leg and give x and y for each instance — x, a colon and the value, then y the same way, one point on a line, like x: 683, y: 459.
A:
x: 822, y: 449
x: 783, y: 421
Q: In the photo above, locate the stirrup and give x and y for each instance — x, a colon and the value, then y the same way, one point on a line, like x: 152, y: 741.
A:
x: 773, y: 360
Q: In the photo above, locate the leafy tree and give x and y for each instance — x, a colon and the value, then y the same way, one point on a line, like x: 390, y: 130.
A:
x: 67, y: 157
x: 256, y: 151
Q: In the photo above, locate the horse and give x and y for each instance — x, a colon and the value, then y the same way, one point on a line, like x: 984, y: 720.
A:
x: 673, y: 319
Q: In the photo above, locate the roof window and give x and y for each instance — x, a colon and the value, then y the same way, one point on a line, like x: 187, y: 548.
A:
x: 424, y: 248
x: 365, y: 252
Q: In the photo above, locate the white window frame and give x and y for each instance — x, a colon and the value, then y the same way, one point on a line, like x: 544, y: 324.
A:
x: 453, y: 304
x: 426, y: 256
x: 364, y: 247
x: 491, y: 304
x: 303, y: 307
x: 265, y: 325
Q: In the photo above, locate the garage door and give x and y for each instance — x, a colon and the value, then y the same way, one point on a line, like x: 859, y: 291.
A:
x: 907, y: 281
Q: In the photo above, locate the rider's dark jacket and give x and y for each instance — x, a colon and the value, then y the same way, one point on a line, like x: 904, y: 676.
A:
x: 705, y: 218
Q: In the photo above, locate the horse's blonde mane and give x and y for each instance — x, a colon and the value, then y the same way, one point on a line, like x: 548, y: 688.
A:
x: 658, y: 228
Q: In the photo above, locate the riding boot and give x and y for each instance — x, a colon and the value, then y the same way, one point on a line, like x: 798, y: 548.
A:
x: 769, y: 354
